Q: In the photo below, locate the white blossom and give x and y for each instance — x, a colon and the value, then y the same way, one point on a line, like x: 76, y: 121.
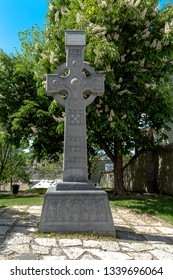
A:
x: 117, y: 86
x: 97, y: 112
x: 100, y: 101
x: 51, y: 7
x: 34, y: 129
x: 120, y: 80
x: 53, y: 58
x: 153, y: 14
x: 142, y: 62
x: 100, y: 34
x: 116, y: 36
x: 147, y: 86
x: 147, y: 24
x: 64, y: 10
x: 112, y: 124
x: 153, y: 86
x: 44, y: 84
x: 124, y: 117
x: 144, y: 13
x: 122, y: 58
x: 123, y: 91
x: 102, y: 4
x: 154, y: 43
x: 108, y: 69
x: 133, y: 62
x: 55, y: 118
x: 171, y: 23
x: 159, y: 46
x: 144, y: 70
x: 132, y: 3
x: 167, y: 29
x: 136, y: 4
x: 57, y: 16
x: 43, y: 55
x: 79, y: 17
x: 106, y: 108
x: 112, y: 114
x: 166, y: 43
x: 146, y: 33
x: 2, y: 96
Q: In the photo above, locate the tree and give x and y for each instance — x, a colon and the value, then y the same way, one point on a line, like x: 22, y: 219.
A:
x: 131, y: 42
x: 26, y: 113
x: 13, y: 163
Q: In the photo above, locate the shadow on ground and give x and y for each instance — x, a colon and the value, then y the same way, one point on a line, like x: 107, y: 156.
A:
x: 13, y: 221
x: 126, y: 233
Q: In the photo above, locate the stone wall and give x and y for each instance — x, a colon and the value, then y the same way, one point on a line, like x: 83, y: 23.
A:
x: 150, y: 172
x: 164, y: 172
x: 107, y: 180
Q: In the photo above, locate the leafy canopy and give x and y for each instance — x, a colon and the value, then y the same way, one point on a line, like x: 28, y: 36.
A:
x: 131, y: 42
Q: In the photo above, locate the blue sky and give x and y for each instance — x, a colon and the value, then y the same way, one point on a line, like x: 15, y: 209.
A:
x: 19, y: 15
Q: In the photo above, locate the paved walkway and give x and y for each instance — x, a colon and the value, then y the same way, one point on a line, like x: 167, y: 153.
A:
x: 138, y: 237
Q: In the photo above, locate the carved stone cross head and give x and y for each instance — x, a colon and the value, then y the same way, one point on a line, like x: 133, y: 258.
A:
x: 75, y: 76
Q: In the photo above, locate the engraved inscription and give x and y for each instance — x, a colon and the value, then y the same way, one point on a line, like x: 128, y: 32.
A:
x: 76, y: 210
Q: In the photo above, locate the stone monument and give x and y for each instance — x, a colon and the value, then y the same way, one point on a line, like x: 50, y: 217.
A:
x: 75, y: 205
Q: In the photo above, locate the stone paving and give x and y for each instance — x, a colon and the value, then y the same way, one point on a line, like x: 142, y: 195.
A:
x: 138, y: 237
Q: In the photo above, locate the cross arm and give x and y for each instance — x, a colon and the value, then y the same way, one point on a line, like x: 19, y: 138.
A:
x: 95, y: 84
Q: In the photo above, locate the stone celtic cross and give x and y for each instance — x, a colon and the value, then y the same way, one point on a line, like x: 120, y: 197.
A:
x: 75, y: 78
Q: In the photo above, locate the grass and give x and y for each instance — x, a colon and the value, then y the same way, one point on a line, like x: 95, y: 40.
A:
x: 87, y: 236
x: 158, y: 205
x: 29, y: 198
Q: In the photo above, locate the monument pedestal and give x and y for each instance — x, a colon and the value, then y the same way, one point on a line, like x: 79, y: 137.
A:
x: 76, y: 211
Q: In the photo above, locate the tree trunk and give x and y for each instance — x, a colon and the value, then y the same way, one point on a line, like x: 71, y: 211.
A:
x: 11, y: 185
x: 117, y: 159
x: 118, y: 170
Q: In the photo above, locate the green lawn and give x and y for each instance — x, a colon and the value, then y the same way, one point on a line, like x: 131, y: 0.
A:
x: 157, y: 205
x: 34, y: 197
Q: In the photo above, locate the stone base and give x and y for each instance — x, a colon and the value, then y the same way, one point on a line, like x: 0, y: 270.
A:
x: 76, y: 211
